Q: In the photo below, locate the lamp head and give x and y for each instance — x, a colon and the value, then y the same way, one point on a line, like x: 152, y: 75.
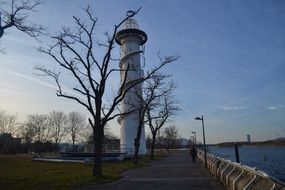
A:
x: 198, y: 118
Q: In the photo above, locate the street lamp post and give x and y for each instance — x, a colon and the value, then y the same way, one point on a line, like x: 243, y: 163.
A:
x: 195, y: 142
x: 204, y: 145
x: 192, y: 139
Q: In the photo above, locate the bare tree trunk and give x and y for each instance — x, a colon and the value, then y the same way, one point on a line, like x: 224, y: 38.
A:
x: 138, y: 138
x: 152, y: 145
x: 97, y: 163
x: 73, y: 146
x: 56, y: 147
x: 137, y: 147
x: 29, y: 147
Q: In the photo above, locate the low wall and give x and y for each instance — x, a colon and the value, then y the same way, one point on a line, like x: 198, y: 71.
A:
x: 236, y: 176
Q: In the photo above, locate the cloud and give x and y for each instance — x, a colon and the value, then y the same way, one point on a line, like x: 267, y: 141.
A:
x: 41, y: 82
x: 275, y: 107
x: 184, y: 109
x: 36, y: 80
x: 272, y: 107
x: 66, y: 89
x: 230, y: 108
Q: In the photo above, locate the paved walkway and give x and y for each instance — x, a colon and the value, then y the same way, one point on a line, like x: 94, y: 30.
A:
x: 174, y: 172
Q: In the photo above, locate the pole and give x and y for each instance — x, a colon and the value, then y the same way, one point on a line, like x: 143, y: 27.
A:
x: 192, y: 140
x: 237, y: 152
x: 205, y: 152
x: 195, y: 139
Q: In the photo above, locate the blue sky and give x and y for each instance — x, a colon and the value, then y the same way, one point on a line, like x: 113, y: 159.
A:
x: 231, y: 67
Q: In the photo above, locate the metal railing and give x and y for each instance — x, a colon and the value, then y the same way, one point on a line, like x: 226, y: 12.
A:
x: 240, y: 177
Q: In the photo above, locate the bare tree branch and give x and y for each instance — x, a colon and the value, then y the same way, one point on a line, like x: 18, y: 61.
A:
x: 8, y: 122
x: 18, y: 16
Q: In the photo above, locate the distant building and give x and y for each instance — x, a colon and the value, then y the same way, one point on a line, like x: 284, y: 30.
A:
x: 68, y: 147
x: 110, y: 145
x: 9, y: 144
x: 248, y: 138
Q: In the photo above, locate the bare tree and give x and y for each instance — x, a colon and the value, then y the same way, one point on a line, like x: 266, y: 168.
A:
x: 156, y: 120
x: 38, y: 125
x: 153, y: 104
x: 74, y: 50
x: 16, y: 15
x: 75, y: 126
x: 7, y: 122
x: 163, y: 105
x: 171, y: 137
x: 28, y: 131
x: 57, y: 122
x: 7, y: 128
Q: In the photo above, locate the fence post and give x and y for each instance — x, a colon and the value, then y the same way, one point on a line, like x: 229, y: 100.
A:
x: 237, y: 152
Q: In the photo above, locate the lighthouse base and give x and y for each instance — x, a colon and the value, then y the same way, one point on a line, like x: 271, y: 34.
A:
x: 127, y: 141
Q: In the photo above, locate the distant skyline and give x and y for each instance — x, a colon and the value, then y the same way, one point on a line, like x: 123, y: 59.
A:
x: 231, y: 67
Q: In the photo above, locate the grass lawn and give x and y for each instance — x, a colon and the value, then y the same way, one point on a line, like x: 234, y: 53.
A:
x: 20, y: 172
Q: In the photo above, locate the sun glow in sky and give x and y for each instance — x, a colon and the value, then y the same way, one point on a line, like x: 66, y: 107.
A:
x: 231, y: 67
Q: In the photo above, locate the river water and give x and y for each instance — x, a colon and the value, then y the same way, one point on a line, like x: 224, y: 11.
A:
x: 271, y: 160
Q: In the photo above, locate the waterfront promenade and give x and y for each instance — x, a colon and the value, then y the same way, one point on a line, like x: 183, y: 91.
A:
x: 173, y: 172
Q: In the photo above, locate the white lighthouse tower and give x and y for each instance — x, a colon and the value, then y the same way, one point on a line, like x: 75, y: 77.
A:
x: 131, y: 40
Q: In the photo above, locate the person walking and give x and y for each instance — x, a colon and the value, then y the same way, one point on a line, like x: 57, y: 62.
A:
x: 193, y: 153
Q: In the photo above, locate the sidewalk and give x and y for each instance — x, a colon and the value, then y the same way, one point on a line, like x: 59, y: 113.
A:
x: 174, y: 172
